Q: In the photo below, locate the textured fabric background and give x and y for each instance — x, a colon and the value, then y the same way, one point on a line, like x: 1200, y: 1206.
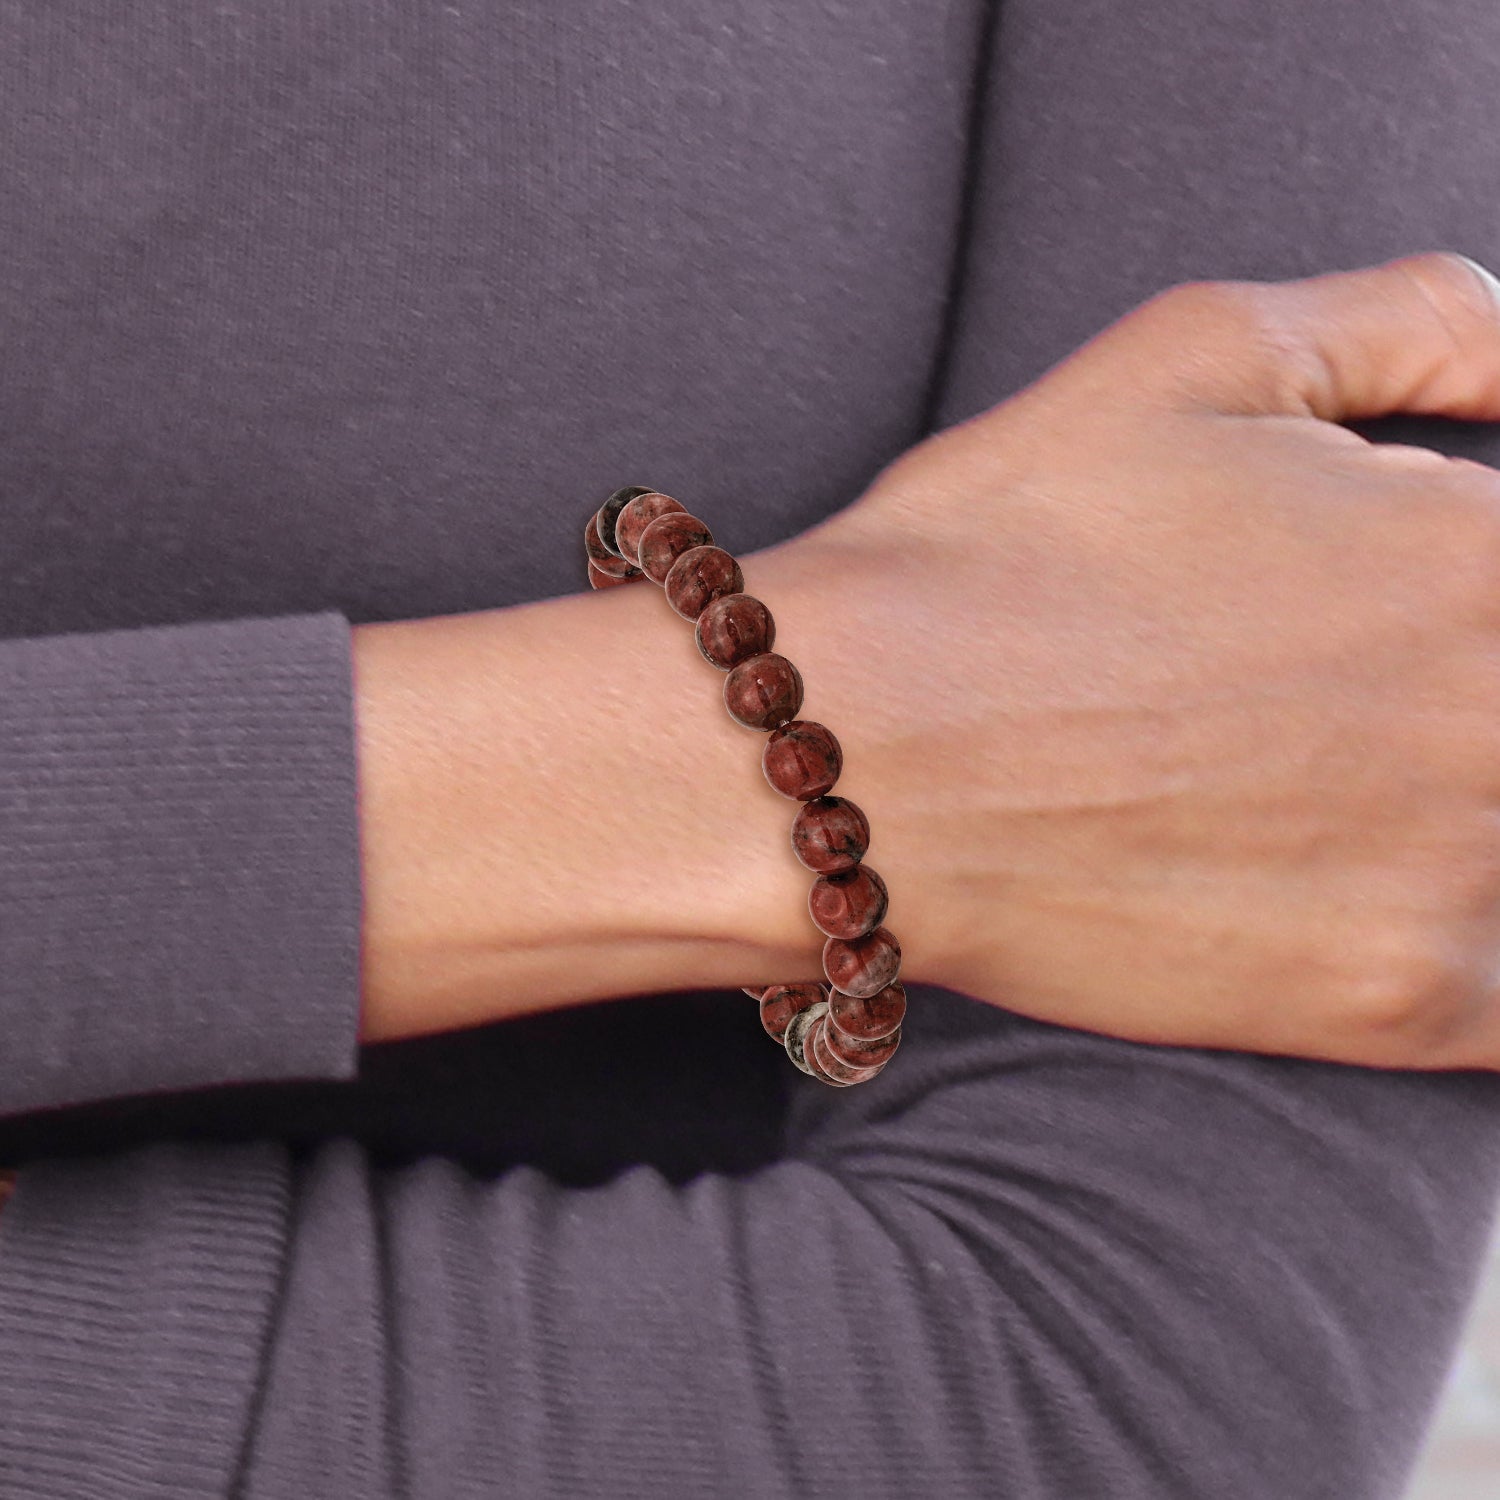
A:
x: 318, y: 312
x: 1461, y: 1460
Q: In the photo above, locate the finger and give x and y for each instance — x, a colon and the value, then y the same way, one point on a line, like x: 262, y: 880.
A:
x: 1418, y: 334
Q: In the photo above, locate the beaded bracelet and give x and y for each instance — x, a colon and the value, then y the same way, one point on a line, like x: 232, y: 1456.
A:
x: 845, y: 1031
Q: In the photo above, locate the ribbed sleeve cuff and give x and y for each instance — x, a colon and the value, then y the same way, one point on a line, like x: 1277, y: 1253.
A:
x: 179, y: 859
x: 136, y: 1294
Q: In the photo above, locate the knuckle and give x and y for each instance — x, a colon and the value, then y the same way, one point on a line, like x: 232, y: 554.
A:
x: 1444, y: 290
x: 1410, y: 999
x: 1412, y: 981
x: 1194, y: 307
x: 1447, y: 283
x: 1217, y: 336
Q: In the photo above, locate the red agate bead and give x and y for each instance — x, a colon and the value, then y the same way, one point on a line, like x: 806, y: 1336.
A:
x: 857, y: 1054
x: 599, y: 580
x: 844, y: 1032
x: 763, y: 692
x: 666, y: 539
x: 733, y: 629
x: 603, y: 559
x: 781, y: 1002
x: 848, y: 903
x: 802, y: 759
x: 699, y: 576
x: 814, y: 1062
x: 830, y: 833
x: 636, y: 515
x: 868, y: 1018
x: 796, y: 1034
x: 608, y: 513
x: 862, y: 966
x: 832, y: 1063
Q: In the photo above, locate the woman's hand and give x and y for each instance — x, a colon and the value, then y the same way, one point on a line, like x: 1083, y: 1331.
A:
x: 1175, y: 706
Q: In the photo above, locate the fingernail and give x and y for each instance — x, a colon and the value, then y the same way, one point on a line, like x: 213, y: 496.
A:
x: 1490, y: 280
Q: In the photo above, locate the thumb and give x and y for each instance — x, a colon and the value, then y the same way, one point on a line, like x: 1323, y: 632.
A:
x: 1417, y: 334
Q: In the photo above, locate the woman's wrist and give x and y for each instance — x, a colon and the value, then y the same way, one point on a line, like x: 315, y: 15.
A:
x: 556, y: 808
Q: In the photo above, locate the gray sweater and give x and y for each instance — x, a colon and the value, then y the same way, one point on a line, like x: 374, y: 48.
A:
x: 343, y: 310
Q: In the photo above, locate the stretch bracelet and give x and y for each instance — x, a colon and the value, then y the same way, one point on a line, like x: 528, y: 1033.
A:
x: 845, y: 1031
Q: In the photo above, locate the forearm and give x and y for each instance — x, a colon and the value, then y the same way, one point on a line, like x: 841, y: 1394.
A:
x: 555, y: 807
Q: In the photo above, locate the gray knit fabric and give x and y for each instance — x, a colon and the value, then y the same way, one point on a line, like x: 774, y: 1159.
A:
x: 331, y: 311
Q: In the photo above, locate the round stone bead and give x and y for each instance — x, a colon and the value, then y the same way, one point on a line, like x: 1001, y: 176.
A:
x: 607, y: 514
x: 699, y: 576
x: 802, y: 759
x: 733, y: 629
x: 639, y: 512
x: 857, y: 1054
x: 810, y: 1055
x: 666, y: 539
x: 600, y: 580
x: 763, y: 692
x: 831, y: 1063
x: 830, y: 833
x: 868, y: 1018
x: 781, y: 1002
x: 862, y: 966
x: 605, y: 561
x: 796, y: 1032
x: 848, y: 903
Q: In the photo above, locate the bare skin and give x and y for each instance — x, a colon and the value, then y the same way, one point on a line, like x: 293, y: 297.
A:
x: 1175, y: 707
x: 1183, y: 702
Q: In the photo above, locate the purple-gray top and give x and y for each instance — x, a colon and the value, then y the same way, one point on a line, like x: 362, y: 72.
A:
x: 312, y: 315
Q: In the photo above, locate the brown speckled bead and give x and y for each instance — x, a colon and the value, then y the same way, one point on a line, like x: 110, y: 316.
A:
x: 848, y: 903
x: 802, y: 759
x: 844, y: 1032
x: 639, y: 512
x: 856, y: 1054
x: 600, y: 580
x: 862, y: 966
x: 699, y: 576
x: 867, y: 1018
x: 605, y: 561
x: 763, y: 692
x: 796, y: 1031
x: 813, y: 1057
x: 831, y: 1063
x: 733, y: 629
x: 608, y: 513
x: 666, y: 539
x: 782, y: 1001
x: 830, y: 833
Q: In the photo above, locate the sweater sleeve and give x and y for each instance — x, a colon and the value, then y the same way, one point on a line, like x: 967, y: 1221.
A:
x: 1025, y: 1262
x: 169, y: 796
